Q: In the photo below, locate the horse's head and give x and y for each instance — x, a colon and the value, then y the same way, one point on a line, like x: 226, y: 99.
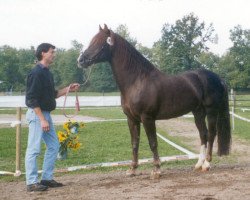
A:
x: 99, y: 49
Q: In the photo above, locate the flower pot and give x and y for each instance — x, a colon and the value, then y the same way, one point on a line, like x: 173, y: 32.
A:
x: 62, y: 155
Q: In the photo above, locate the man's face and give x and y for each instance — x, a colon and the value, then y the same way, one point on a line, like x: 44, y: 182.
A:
x: 49, y: 56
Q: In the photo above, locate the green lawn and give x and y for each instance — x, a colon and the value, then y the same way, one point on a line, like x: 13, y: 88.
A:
x: 103, y: 112
x: 102, y: 142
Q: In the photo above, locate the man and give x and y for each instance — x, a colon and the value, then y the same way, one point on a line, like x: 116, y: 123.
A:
x: 40, y: 99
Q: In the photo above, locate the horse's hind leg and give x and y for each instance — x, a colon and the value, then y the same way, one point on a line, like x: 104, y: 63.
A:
x: 150, y: 129
x: 199, y: 116
x: 134, y: 127
x: 212, y: 119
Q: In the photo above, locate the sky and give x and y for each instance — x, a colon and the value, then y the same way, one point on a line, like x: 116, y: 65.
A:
x: 25, y: 23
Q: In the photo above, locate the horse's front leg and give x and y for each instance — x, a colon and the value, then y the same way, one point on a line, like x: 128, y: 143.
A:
x: 134, y: 127
x: 149, y: 126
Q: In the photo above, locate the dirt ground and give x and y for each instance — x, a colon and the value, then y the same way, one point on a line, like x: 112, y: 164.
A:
x: 223, y: 181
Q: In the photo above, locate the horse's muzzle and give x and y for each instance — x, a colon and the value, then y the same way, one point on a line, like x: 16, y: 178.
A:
x: 83, y: 62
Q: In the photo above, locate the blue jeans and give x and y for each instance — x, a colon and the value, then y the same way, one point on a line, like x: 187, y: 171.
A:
x: 36, y: 135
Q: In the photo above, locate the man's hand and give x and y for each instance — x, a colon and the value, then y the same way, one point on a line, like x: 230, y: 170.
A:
x: 45, y: 125
x: 74, y: 87
x: 43, y: 121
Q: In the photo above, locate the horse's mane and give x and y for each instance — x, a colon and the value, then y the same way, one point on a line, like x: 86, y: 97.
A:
x: 135, y: 61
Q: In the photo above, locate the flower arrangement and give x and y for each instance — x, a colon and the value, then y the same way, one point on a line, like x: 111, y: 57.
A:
x: 68, y: 138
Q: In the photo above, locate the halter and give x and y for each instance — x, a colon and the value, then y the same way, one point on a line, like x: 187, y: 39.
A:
x: 97, y: 54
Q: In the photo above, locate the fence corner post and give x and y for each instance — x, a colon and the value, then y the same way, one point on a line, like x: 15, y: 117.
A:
x: 18, y: 142
x: 233, y: 98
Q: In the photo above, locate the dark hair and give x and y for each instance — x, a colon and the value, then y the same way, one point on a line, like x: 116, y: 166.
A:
x: 44, y: 47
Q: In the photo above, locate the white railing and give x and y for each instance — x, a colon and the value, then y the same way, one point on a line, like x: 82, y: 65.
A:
x: 19, y: 101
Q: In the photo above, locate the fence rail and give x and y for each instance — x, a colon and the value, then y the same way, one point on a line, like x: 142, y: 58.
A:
x: 235, y: 102
x: 19, y: 101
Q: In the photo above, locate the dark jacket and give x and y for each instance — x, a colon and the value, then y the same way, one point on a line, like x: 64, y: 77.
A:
x: 40, y: 89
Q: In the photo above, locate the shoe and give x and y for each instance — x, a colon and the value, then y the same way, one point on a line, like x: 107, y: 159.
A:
x: 51, y: 183
x: 36, y: 187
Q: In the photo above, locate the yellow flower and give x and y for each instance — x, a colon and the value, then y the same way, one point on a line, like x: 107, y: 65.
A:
x: 82, y: 125
x: 69, y: 145
x: 76, y: 146
x: 61, y: 136
x: 66, y: 126
x: 68, y: 137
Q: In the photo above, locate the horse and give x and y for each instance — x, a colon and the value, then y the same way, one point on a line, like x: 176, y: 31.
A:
x: 147, y: 95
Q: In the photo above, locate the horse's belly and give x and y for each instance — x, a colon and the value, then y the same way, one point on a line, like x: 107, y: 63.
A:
x: 169, y: 115
x: 173, y: 110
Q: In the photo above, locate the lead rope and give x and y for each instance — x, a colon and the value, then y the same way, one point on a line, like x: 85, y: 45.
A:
x: 87, y: 76
x: 77, y: 105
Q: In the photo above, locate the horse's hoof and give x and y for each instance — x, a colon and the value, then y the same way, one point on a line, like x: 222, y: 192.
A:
x: 197, y: 169
x: 155, y: 174
x: 130, y: 173
x: 206, y: 166
x: 198, y: 166
x: 205, y: 169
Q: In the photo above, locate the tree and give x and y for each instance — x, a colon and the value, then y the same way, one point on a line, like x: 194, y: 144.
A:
x: 14, y: 67
x: 122, y: 30
x: 65, y: 67
x: 235, y: 65
x: 241, y: 54
x: 209, y: 60
x: 101, y: 79
x: 181, y: 44
x: 227, y: 71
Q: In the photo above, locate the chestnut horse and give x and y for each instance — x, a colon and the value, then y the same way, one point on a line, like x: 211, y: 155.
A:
x: 147, y: 95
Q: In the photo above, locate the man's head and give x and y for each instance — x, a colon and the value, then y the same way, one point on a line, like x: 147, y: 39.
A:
x: 45, y: 52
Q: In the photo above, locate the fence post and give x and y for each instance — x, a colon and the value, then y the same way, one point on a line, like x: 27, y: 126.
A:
x: 18, y: 142
x: 233, y: 93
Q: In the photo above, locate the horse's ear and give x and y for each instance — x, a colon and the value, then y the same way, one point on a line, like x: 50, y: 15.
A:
x: 105, y: 27
x: 100, y: 28
x: 111, y: 38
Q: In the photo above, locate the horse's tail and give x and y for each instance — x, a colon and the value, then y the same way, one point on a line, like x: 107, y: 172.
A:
x: 223, y: 125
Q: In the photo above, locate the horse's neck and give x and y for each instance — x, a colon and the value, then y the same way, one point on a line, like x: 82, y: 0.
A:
x: 123, y: 75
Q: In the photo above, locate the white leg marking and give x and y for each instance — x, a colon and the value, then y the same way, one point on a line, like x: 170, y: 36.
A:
x: 155, y: 174
x: 206, y: 166
x: 202, y: 157
x: 130, y: 172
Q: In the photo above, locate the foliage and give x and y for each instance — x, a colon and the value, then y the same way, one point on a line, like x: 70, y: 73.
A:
x: 235, y: 65
x: 182, y: 43
x: 123, y: 31
x: 64, y: 68
x: 183, y: 46
x: 14, y: 67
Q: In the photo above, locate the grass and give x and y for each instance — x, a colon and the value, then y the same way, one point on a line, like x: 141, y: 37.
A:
x: 242, y: 129
x: 104, y: 142
x: 103, y: 112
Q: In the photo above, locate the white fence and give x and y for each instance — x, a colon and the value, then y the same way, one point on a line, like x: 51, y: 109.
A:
x: 19, y: 101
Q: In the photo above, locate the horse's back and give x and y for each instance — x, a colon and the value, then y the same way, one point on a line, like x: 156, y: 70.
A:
x: 214, y: 87
x: 189, y: 91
